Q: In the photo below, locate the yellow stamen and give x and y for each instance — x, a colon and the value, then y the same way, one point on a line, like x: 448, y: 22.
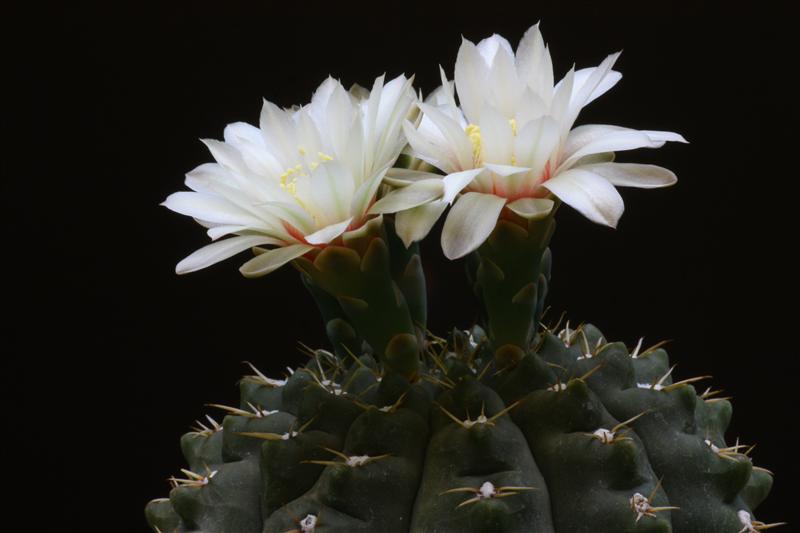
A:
x: 323, y: 156
x: 513, y: 123
x: 474, y: 133
x: 285, y: 182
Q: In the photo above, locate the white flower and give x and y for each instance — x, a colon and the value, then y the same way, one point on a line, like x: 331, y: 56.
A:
x: 301, y: 180
x: 511, y: 144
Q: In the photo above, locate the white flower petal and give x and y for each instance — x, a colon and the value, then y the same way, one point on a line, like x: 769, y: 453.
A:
x: 534, y: 66
x: 471, y: 77
x: 216, y: 232
x: 497, y: 137
x: 270, y: 260
x: 454, y: 183
x: 605, y: 84
x: 225, y: 154
x: 400, y: 177
x: 331, y: 187
x: 469, y: 222
x: 211, y: 208
x: 504, y: 86
x: 293, y: 214
x: 418, y: 193
x: 423, y: 146
x: 506, y: 170
x: 591, y: 195
x: 455, y: 135
x: 219, y: 251
x: 363, y: 196
x: 491, y: 46
x: 328, y: 233
x: 586, y: 83
x: 664, y: 136
x: 414, y: 224
x: 536, y: 143
x: 633, y: 175
x: 278, y: 131
x: 532, y: 208
x: 604, y: 139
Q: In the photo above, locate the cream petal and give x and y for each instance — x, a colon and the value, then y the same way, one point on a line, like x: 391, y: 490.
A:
x: 253, y: 152
x: 270, y: 260
x: 242, y: 134
x: 445, y: 94
x: 413, y: 195
x: 455, y: 136
x: 471, y: 78
x: 438, y: 155
x: 328, y: 233
x: 532, y: 208
x: 469, y: 223
x: 293, y: 214
x: 664, y: 136
x: 400, y: 177
x: 365, y: 194
x: 211, y: 208
x: 219, y: 251
x: 454, y: 183
x: 587, y: 85
x: 278, y: 131
x: 559, y: 106
x: 491, y: 46
x: 319, y: 100
x: 534, y: 65
x: 413, y: 225
x: 536, y: 144
x: 225, y: 154
x: 497, y: 137
x: 612, y: 139
x: 504, y: 86
x: 215, y: 232
x: 341, y: 128
x: 590, y: 194
x: 605, y: 84
x: 506, y: 170
x: 203, y: 178
x: 633, y: 174
x: 531, y: 106
x: 332, y: 187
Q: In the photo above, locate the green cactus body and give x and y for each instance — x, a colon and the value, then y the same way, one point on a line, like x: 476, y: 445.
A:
x: 511, y: 428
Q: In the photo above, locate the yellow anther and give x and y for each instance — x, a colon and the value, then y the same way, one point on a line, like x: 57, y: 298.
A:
x: 291, y: 185
x: 323, y: 156
x: 474, y: 133
x: 513, y: 123
x: 301, y: 150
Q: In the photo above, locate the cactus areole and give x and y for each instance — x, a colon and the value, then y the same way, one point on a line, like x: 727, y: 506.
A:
x: 523, y: 423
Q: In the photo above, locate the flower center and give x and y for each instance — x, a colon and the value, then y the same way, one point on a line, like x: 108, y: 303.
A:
x: 473, y: 131
x: 288, y: 180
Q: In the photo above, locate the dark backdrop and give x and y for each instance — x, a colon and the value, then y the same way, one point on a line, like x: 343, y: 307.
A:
x: 112, y: 356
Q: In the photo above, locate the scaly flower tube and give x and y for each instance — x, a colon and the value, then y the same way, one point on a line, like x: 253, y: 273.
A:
x: 301, y: 181
x: 510, y: 144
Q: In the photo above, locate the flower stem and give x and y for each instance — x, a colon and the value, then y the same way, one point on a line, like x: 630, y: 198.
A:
x: 509, y: 273
x: 371, y: 299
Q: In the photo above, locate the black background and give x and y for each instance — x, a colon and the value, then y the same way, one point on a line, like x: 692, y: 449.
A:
x: 111, y: 356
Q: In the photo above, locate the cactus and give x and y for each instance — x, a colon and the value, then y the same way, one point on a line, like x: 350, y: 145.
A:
x: 504, y: 427
x: 518, y: 424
